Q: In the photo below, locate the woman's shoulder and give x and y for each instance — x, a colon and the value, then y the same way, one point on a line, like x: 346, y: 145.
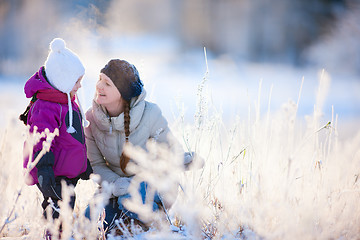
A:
x: 153, y: 115
x: 89, y: 114
x: 151, y: 107
x: 97, y: 118
x: 93, y: 112
x: 91, y: 117
x: 152, y: 110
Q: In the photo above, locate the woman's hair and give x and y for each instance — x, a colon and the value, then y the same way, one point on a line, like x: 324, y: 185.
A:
x: 125, y: 77
x: 124, y: 160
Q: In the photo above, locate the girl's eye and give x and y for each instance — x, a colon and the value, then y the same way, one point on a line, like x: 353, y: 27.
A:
x: 107, y: 84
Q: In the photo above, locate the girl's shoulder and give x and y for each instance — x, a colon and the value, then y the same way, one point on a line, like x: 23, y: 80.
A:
x: 46, y: 114
x: 46, y: 106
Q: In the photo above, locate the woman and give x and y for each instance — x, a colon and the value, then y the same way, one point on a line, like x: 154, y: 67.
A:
x: 120, y: 115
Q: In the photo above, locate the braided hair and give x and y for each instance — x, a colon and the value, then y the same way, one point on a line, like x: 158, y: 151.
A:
x: 124, y: 160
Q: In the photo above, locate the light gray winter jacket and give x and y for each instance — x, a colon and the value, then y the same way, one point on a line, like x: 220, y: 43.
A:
x: 105, y: 136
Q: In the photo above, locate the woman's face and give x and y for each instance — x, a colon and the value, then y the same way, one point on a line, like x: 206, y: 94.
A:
x: 106, y: 92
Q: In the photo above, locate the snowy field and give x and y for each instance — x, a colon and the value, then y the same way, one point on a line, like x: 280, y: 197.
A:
x: 281, y: 146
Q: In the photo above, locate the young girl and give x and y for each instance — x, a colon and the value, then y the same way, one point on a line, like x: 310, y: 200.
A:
x: 120, y: 114
x: 53, y: 89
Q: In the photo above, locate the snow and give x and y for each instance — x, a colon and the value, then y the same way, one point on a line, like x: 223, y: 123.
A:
x: 233, y: 89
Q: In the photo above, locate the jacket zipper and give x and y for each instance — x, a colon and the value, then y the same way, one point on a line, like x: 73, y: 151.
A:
x: 111, y: 127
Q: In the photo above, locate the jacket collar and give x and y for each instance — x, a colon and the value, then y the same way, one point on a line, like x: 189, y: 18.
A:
x: 53, y: 95
x: 105, y: 123
x: 38, y: 87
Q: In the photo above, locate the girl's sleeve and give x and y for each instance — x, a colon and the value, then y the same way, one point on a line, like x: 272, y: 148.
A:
x: 44, y: 117
x: 96, y: 158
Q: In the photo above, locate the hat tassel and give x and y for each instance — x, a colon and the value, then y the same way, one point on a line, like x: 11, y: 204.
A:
x: 70, y: 129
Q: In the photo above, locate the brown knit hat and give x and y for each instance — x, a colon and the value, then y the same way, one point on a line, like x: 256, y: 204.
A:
x: 125, y: 77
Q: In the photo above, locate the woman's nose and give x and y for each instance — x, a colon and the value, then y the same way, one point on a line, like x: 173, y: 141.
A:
x: 98, y: 85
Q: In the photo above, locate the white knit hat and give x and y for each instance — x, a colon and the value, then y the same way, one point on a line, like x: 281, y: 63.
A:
x: 63, y: 68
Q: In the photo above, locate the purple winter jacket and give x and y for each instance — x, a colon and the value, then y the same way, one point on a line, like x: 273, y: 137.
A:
x: 69, y: 149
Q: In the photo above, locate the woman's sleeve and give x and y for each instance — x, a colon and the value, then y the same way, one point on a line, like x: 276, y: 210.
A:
x: 96, y: 158
x: 160, y: 130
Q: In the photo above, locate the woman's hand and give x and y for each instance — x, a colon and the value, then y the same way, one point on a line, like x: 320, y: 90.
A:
x: 121, y: 186
x: 193, y: 161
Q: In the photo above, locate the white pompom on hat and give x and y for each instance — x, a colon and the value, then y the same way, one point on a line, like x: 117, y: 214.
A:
x: 63, y: 68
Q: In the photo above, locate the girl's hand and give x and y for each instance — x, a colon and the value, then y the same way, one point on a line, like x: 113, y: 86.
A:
x: 46, y: 180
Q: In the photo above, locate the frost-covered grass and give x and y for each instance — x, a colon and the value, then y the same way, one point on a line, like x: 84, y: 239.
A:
x: 273, y: 175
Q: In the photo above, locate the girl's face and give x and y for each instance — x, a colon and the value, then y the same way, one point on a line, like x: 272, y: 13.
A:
x: 76, y: 87
x: 106, y: 92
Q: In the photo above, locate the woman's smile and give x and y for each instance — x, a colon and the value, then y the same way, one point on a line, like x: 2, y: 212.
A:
x: 107, y: 93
